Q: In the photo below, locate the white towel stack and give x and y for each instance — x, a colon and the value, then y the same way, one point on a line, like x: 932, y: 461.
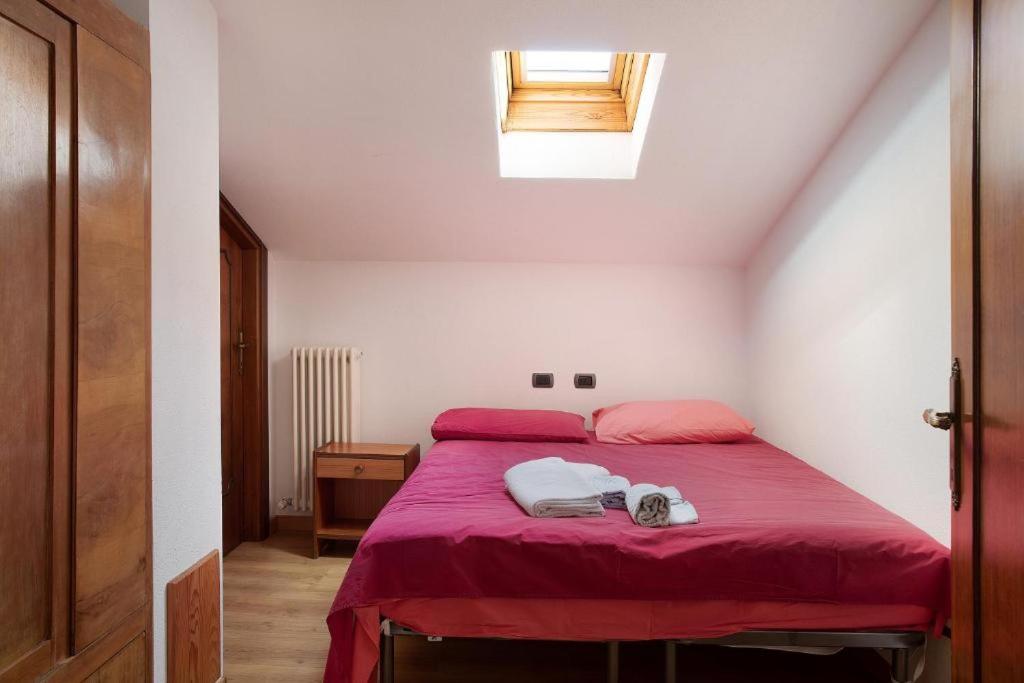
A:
x: 552, y: 487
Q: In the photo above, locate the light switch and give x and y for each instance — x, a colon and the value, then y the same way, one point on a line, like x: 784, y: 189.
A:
x: 543, y: 380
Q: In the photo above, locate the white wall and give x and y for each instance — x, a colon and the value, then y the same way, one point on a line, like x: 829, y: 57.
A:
x: 186, y: 295
x: 848, y: 302
x: 849, y: 298
x: 443, y: 335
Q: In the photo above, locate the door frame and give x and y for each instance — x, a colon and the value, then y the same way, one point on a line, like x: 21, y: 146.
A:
x: 255, y: 429
x: 965, y: 446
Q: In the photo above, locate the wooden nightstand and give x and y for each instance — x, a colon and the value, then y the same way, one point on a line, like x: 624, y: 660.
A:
x: 353, y: 482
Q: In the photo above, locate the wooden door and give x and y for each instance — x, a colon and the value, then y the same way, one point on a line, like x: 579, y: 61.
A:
x: 987, y: 87
x: 232, y: 349
x: 35, y: 341
x: 244, y: 391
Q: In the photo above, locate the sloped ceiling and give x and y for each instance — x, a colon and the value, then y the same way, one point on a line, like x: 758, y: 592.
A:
x: 365, y: 130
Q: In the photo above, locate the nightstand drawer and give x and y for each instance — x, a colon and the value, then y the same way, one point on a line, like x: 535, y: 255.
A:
x: 360, y: 468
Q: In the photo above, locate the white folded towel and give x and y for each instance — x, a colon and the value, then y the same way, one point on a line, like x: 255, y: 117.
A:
x: 613, y: 490
x: 551, y: 487
x: 648, y: 505
x: 681, y: 511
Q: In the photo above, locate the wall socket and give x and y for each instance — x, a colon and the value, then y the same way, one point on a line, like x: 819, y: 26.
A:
x: 584, y: 380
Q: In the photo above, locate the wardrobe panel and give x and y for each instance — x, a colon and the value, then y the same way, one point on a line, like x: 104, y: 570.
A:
x: 35, y: 230
x: 112, y: 515
x: 130, y: 664
x: 25, y: 73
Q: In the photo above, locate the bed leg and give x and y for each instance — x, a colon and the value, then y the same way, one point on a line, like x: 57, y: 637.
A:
x: 670, y: 661
x: 900, y: 665
x: 386, y: 666
x: 613, y: 661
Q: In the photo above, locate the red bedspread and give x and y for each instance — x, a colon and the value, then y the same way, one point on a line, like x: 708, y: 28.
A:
x: 771, y: 528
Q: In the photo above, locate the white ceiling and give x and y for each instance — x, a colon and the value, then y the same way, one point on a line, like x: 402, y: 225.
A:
x: 364, y: 130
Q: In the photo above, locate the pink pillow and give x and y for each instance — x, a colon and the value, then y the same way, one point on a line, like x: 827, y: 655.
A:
x: 499, y: 424
x: 693, y: 421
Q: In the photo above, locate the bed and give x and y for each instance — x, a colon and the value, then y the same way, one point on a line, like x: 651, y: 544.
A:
x: 783, y: 555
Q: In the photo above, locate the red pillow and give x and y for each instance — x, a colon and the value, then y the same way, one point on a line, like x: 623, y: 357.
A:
x: 499, y: 424
x: 648, y: 422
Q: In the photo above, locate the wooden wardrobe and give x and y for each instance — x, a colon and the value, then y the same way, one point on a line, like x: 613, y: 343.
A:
x: 75, y: 529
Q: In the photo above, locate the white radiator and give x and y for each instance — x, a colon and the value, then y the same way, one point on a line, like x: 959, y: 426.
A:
x: 325, y: 408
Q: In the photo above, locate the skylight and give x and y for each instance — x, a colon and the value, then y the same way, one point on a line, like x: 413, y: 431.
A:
x: 572, y: 91
x: 567, y: 67
x: 563, y: 114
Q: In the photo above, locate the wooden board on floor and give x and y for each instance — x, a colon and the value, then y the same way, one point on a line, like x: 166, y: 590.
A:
x: 193, y: 622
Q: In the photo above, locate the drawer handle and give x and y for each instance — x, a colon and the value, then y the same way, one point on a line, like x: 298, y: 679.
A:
x: 359, y: 469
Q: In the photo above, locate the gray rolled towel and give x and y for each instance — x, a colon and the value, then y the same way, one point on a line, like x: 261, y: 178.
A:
x: 648, y: 505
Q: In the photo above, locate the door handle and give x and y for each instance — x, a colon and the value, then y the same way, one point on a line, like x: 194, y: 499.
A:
x: 937, y: 419
x: 241, y: 346
x: 945, y: 421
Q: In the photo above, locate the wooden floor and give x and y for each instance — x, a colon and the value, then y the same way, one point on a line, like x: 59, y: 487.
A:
x: 276, y: 598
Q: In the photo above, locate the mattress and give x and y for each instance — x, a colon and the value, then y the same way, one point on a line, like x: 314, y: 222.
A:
x: 773, y: 530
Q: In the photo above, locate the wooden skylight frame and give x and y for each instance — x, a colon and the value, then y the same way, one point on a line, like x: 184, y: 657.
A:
x: 585, y: 106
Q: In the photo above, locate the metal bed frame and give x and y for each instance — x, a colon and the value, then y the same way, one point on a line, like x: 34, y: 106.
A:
x: 901, y: 644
